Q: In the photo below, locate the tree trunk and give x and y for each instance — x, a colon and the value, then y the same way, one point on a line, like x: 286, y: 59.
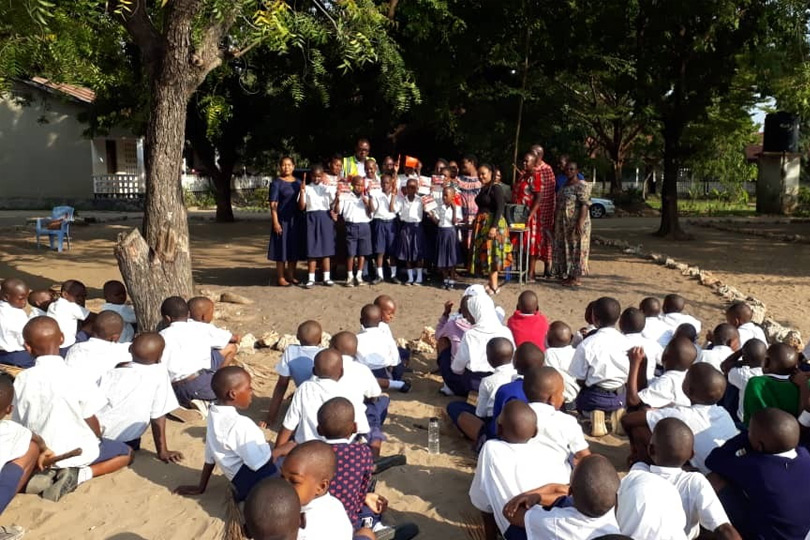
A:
x: 670, y: 224
x: 615, y: 172
x: 222, y: 192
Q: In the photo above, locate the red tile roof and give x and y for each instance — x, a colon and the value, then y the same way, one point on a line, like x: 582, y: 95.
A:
x: 77, y: 92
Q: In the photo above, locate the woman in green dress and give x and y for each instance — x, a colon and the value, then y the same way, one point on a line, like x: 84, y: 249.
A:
x: 491, y: 249
x: 572, y: 228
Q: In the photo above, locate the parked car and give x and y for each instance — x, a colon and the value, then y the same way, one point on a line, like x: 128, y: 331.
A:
x: 602, y: 207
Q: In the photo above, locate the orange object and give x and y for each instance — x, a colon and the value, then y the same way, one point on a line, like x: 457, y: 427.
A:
x: 411, y: 162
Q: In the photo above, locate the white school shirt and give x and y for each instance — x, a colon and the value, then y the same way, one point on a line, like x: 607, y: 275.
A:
x: 739, y: 377
x: 357, y: 377
x: 128, y: 314
x: 601, y: 359
x: 95, y: 357
x: 14, y: 441
x: 750, y: 330
x: 382, y: 206
x: 410, y: 211
x: 489, y: 387
x: 701, y: 506
x: 233, y: 440
x: 674, y: 320
x: 665, y: 390
x: 506, y: 470
x: 650, y: 508
x: 67, y: 315
x: 318, y: 198
x: 711, y: 425
x: 652, y: 350
x: 326, y: 519
x: 188, y: 348
x: 294, y: 352
x: 567, y: 524
x: 654, y: 328
x: 558, y: 432
x: 302, y: 415
x: 376, y: 348
x: 136, y: 393
x: 51, y: 401
x: 353, y: 209
x: 445, y: 215
x: 715, y: 356
x: 471, y: 352
x: 560, y: 358
x: 12, y: 322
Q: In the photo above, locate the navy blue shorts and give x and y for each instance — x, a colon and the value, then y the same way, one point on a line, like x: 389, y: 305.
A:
x: 10, y: 476
x: 376, y: 413
x: 197, y: 388
x: 594, y: 398
x: 246, y: 478
x: 384, y: 234
x: 108, y: 449
x: 358, y: 239
x: 21, y: 359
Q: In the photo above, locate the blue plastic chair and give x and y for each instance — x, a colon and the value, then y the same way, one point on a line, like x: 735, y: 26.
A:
x: 65, y: 213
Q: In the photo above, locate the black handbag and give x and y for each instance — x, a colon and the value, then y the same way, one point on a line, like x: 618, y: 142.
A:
x: 516, y: 213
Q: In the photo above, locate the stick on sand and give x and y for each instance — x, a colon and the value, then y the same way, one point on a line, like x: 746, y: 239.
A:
x: 54, y: 459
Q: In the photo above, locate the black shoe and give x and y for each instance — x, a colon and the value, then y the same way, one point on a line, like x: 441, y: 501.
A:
x: 376, y: 281
x: 384, y: 463
x: 406, y: 387
x: 66, y: 481
x: 396, y: 281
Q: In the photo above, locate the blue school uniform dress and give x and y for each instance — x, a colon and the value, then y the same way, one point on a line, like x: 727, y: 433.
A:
x: 320, y: 226
x: 288, y: 245
x: 411, y: 239
x: 384, y: 224
x: 358, y: 228
x: 447, y: 246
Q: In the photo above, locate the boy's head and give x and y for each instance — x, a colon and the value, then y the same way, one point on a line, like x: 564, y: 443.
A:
x: 651, y: 307
x: 499, y: 352
x: 201, y: 309
x: 6, y: 394
x: 686, y: 331
x: 739, y: 313
x: 679, y: 354
x: 370, y: 316
x: 74, y: 291
x: 559, y: 335
x: 594, y: 486
x: 448, y: 195
x: 517, y: 423
x: 115, y: 292
x: 674, y: 303
x: 42, y: 336
x: 310, y: 467
x: 411, y: 187
x: 544, y: 385
x: 703, y: 384
x: 316, y: 173
x: 672, y: 443
x: 754, y: 353
x: 358, y: 185
x: 147, y: 348
x: 387, y: 306
x: 781, y: 359
x: 15, y: 292
x: 345, y: 343
x: 174, y: 308
x: 336, y: 419
x: 231, y: 385
x: 41, y: 299
x: 273, y: 511
x: 108, y: 326
x: 387, y: 183
x: 309, y: 333
x: 632, y: 321
x: 606, y: 312
x: 773, y: 431
x: 528, y: 356
x: 589, y: 313
x: 527, y: 303
x: 726, y: 334
x: 328, y: 365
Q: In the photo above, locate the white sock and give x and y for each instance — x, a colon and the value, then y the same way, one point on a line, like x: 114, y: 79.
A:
x: 410, y: 275
x: 351, y: 276
x: 380, y: 272
x: 393, y: 272
x: 395, y: 385
x: 327, y: 276
x: 419, y: 275
x: 311, y: 276
x: 85, y: 474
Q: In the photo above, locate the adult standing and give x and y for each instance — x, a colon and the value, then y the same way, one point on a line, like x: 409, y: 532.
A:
x: 561, y: 178
x: 572, y: 228
x: 544, y: 209
x: 526, y: 191
x: 491, y: 248
x: 356, y: 165
x: 469, y: 185
x: 287, y: 238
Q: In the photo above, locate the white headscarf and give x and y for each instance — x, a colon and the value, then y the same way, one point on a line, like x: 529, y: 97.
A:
x: 472, y: 353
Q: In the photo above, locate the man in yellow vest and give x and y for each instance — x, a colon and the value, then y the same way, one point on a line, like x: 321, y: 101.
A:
x: 356, y: 165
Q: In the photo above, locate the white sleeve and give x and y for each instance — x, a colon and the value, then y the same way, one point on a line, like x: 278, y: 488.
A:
x: 294, y: 412
x: 536, y: 526
x: 576, y: 439
x: 579, y: 364
x: 804, y: 419
x: 283, y: 367
x: 251, y: 445
x: 164, y: 400
x: 710, y: 511
x: 484, y: 392
x: 739, y: 377
x: 660, y: 392
x: 218, y: 337
x: 656, y: 415
x: 371, y: 388
x: 361, y: 419
x: 478, y: 495
x: 462, y: 358
x: 79, y: 312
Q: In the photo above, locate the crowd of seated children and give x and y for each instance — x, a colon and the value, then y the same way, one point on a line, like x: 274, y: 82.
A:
x: 102, y: 351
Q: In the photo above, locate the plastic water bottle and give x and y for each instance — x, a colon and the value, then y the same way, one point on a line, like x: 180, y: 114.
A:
x: 433, y: 435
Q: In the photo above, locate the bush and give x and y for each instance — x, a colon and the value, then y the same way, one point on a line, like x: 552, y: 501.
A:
x: 202, y: 199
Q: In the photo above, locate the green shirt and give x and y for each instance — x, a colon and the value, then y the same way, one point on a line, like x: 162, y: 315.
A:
x: 767, y: 391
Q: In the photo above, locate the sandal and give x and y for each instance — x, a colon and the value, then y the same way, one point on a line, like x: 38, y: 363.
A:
x: 283, y: 283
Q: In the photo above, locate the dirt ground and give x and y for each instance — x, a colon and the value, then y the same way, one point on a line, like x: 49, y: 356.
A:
x: 137, y: 503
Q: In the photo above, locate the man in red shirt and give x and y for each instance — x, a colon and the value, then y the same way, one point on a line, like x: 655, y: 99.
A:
x: 544, y: 211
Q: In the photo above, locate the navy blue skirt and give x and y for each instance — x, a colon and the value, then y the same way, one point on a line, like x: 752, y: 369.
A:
x: 447, y: 248
x: 289, y: 245
x: 411, y: 242
x: 430, y: 233
x: 320, y: 235
x: 384, y: 235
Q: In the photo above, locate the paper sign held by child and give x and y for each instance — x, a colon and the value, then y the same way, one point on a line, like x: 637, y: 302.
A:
x: 429, y: 204
x: 424, y: 185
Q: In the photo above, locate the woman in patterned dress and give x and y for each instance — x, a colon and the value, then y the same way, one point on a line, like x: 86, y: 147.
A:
x: 572, y: 229
x: 526, y: 191
x: 491, y: 248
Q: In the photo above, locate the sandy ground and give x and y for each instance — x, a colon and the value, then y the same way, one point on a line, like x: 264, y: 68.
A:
x: 430, y: 490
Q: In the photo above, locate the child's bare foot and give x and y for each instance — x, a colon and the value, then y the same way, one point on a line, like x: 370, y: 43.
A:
x: 283, y: 283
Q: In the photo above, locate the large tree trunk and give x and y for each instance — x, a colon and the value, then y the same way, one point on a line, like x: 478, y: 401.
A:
x: 615, y: 172
x: 222, y: 192
x: 670, y: 224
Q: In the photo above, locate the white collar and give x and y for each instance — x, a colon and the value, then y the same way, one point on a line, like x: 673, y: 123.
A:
x: 505, y: 367
x: 49, y: 360
x: 778, y: 377
x: 666, y: 471
x: 350, y: 440
x: 224, y: 409
x: 790, y: 454
x: 544, y: 407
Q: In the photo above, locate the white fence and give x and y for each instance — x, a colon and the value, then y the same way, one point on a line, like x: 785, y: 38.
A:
x: 118, y: 186
x: 684, y: 188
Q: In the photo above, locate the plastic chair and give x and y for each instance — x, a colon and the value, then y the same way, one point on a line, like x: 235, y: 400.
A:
x: 63, y: 213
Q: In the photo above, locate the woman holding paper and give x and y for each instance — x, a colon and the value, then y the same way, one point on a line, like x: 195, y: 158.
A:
x: 491, y: 249
x: 287, y: 238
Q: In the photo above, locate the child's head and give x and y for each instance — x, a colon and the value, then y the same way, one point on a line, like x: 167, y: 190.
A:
x: 358, y: 185
x: 328, y: 365
x: 726, y: 334
x: 273, y: 511
x: 74, y: 291
x: 345, y: 343
x: 387, y: 183
x: 316, y: 174
x: 370, y: 316
x: 651, y: 307
x: 517, y: 423
x: 201, y: 309
x: 527, y: 303
x: 448, y: 195
x: 388, y: 307
x: 632, y: 321
x: 371, y: 168
x: 606, y: 312
x: 336, y: 165
x: 41, y: 299
x: 115, y: 292
x: 42, y: 336
x: 451, y: 170
x: 6, y: 394
x: 703, y: 384
x: 672, y: 443
x: 686, y: 331
x: 107, y: 326
x: 679, y: 354
x: 589, y: 313
x: 15, y: 292
x: 544, y: 385
x: 528, y: 356
x: 559, y: 335
x: 499, y: 352
x: 754, y: 353
x: 336, y: 419
x: 594, y: 486
x: 309, y: 333
x: 781, y: 359
x: 739, y: 313
x: 310, y: 467
x: 674, y: 303
x: 174, y: 308
x: 773, y: 431
x: 147, y: 348
x: 411, y: 187
x: 231, y: 385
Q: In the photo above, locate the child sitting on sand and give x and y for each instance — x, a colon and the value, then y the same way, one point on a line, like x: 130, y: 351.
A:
x: 724, y: 341
x: 273, y: 511
x: 13, y: 295
x: 773, y: 388
x: 654, y: 327
x: 377, y: 350
x: 201, y: 311
x: 388, y: 309
x: 649, y: 508
x: 39, y: 301
x: 527, y: 323
x: 559, y: 355
x: 115, y: 296
x: 69, y: 311
x: 631, y: 324
x: 102, y: 352
x: 673, y: 317
x: 741, y: 367
x: 740, y: 315
x: 666, y: 390
x: 528, y: 356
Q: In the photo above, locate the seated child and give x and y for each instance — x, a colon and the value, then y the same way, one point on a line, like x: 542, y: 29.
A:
x: 740, y: 315
x: 649, y: 508
x: 201, y: 311
x: 654, y: 327
x: 583, y: 510
x: 673, y: 316
x: 670, y: 448
x: 102, y: 352
x: 586, y: 331
x: 52, y: 402
x: 527, y: 356
x: 527, y: 323
x: 711, y: 424
x: 13, y: 294
x: 389, y: 311
x: 632, y: 324
x: 377, y: 350
x: 507, y: 467
x: 296, y: 364
x: 449, y: 331
x: 233, y: 441
x: 39, y: 301
x: 69, y: 311
x: 725, y: 340
x: 773, y: 388
x: 115, y: 299
x: 273, y: 511
x: 742, y: 366
x: 473, y: 420
x: 559, y: 355
x: 763, y: 478
x: 138, y: 394
x: 666, y: 390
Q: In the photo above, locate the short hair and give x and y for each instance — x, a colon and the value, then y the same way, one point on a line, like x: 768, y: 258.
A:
x: 198, y: 304
x: 679, y: 354
x: 73, y: 287
x: 472, y: 158
x: 316, y: 167
x: 781, y: 359
x: 333, y: 417
x: 607, y: 310
x: 174, y: 307
x: 541, y: 383
x: 527, y: 302
x: 225, y: 379
x: 12, y: 284
x: 594, y: 485
x: 777, y: 430
x: 673, y: 442
x: 651, y: 306
x: 371, y: 315
x: 528, y: 355
x: 328, y: 364
x: 499, y: 351
x: 686, y: 330
x: 344, y: 341
x: 147, y: 346
x: 559, y: 334
x: 113, y: 288
x: 273, y: 510
x: 518, y: 421
x: 724, y: 334
x: 107, y: 324
x: 674, y: 303
x: 6, y: 390
x: 309, y: 333
x: 706, y: 385
x: 632, y: 321
x: 740, y: 310
x: 318, y: 457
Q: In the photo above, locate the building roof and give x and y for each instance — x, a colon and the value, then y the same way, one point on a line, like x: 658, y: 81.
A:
x: 79, y: 93
x: 752, y: 152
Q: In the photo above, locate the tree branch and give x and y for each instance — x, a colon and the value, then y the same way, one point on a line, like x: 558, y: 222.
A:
x: 138, y: 25
x: 392, y: 8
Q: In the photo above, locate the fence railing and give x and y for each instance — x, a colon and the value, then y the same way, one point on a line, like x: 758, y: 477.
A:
x: 118, y: 186
x: 684, y: 188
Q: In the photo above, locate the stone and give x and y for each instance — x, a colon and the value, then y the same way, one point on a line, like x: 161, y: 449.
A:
x: 268, y: 339
x: 211, y: 295
x: 326, y: 337
x: 233, y: 298
x: 285, y: 341
x: 247, y: 344
x: 670, y: 263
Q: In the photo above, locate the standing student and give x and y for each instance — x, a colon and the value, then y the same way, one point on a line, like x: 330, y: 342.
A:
x: 411, y: 238
x: 69, y: 311
x: 316, y: 200
x: 447, y: 216
x: 13, y: 295
x: 384, y: 227
x: 666, y: 390
x: 773, y: 388
x: 355, y: 207
x: 102, y: 352
x: 115, y: 298
x: 740, y: 315
x: 528, y: 323
x: 287, y: 236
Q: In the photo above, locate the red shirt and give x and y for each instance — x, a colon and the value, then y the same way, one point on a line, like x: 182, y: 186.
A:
x: 528, y: 328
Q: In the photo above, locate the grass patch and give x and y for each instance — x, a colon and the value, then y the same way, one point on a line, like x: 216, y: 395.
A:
x: 703, y: 207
